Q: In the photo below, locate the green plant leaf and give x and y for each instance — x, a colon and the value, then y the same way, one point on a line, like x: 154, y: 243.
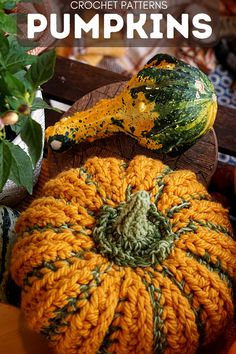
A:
x: 16, y: 45
x: 16, y: 61
x: 13, y: 102
x: 17, y: 57
x: 9, y: 4
x: 3, y: 88
x: 4, y: 45
x: 5, y: 163
x: 31, y: 133
x: 16, y: 128
x: 20, y: 75
x: 13, y: 56
x: 21, y: 167
x: 42, y: 70
x: 17, y: 104
x: 7, y: 23
x: 40, y: 103
x: 14, y: 86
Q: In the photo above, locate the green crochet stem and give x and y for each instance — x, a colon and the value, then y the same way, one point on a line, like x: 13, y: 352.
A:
x: 135, y: 233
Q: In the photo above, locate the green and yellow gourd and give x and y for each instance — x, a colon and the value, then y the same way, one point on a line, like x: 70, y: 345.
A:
x: 167, y: 107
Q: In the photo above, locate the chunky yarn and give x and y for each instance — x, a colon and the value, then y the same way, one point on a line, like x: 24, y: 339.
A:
x: 125, y: 258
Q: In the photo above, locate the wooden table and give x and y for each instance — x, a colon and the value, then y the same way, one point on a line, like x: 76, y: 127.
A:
x: 15, y: 337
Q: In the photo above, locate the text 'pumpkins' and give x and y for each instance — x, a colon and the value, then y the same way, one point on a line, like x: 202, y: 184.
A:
x: 125, y: 258
x: 167, y: 107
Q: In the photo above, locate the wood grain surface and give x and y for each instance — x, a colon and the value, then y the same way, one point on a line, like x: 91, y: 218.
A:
x: 73, y: 80
x: 15, y: 337
x: 201, y: 158
x: 225, y: 128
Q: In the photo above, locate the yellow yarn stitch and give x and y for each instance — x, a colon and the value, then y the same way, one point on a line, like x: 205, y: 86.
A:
x: 125, y: 258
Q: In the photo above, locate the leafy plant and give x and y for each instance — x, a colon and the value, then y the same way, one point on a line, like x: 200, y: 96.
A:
x: 7, y: 21
x: 20, y: 76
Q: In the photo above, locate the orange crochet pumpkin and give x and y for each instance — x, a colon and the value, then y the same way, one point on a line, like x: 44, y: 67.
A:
x: 125, y: 258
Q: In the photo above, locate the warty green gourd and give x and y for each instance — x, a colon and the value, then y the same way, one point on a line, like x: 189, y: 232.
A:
x: 167, y: 107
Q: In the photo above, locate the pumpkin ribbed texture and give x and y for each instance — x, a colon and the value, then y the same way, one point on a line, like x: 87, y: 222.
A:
x: 125, y: 258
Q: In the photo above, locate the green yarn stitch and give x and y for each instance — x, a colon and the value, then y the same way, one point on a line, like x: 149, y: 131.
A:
x: 206, y: 261
x: 197, y: 312
x: 215, y: 227
x: 155, y: 297
x: 134, y: 234
x: 37, y: 272
x: 61, y: 314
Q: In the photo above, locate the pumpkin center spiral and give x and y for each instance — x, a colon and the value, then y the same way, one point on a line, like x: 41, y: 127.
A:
x: 135, y: 233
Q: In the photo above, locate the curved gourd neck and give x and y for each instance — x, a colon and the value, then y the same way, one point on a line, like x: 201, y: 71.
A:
x: 99, y: 121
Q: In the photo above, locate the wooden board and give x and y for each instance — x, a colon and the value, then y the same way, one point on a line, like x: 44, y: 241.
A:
x: 201, y: 158
x: 15, y: 337
x: 225, y: 128
x: 68, y: 84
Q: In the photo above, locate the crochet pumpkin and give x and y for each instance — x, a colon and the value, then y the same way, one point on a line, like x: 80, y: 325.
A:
x: 125, y: 258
